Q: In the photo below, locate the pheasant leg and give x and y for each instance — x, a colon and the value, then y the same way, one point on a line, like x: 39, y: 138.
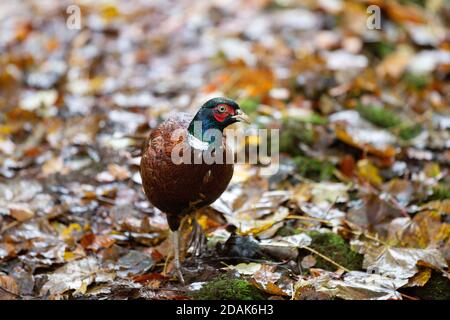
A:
x: 176, y: 248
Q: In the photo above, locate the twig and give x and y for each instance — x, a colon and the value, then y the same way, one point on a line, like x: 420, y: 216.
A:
x: 301, y: 178
x: 106, y: 200
x: 409, y: 297
x: 255, y: 209
x: 167, y: 289
x: 246, y: 259
x: 297, y: 217
x: 368, y: 236
x: 326, y: 258
x: 9, y: 226
x: 331, y: 205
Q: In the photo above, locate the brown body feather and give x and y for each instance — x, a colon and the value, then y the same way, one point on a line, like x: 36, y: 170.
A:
x: 180, y: 189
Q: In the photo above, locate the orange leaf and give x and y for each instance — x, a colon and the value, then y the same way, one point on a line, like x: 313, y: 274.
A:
x: 342, y: 135
x: 96, y: 242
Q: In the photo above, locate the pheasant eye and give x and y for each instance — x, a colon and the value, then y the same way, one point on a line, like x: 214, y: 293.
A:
x: 222, y: 108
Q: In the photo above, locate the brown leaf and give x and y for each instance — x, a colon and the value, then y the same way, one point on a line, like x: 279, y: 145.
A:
x: 148, y: 277
x: 11, y: 289
x: 395, y: 64
x: 403, y: 13
x: 118, y: 172
x: 347, y: 165
x: 374, y: 213
x: 96, y: 242
x: 20, y: 211
x: 425, y: 229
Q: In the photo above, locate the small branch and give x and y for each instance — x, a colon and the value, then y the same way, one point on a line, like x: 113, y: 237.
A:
x: 368, y: 236
x: 331, y: 206
x: 136, y: 136
x: 297, y: 217
x: 409, y: 297
x: 326, y: 258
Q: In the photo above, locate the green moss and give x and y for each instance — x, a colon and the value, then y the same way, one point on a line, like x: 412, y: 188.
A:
x: 315, y: 118
x: 293, y: 132
x: 276, y: 5
x: 288, y: 229
x: 225, y: 287
x: 410, y: 132
x: 421, y: 3
x: 334, y: 247
x: 380, y: 49
x: 313, y: 168
x: 416, y: 81
x: 379, y: 116
x: 437, y: 288
x: 441, y: 192
x: 249, y: 105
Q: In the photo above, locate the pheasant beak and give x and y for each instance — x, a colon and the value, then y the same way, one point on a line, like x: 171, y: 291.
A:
x: 241, y: 116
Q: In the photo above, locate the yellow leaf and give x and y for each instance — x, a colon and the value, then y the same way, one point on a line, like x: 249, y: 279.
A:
x: 110, y: 12
x: 69, y: 256
x: 83, y: 288
x: 420, y: 278
x: 368, y: 172
x: 67, y: 232
x: 442, y: 207
x: 425, y: 230
x: 432, y: 170
x: 96, y: 84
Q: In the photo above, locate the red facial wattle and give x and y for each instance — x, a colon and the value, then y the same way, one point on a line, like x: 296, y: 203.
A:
x: 222, y: 116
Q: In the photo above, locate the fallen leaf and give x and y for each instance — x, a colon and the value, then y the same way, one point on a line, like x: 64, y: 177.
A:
x: 308, y: 261
x: 20, y: 211
x: 401, y: 263
x: 245, y: 268
x: 368, y: 172
x: 96, y: 242
x: 273, y: 282
x: 11, y: 289
x: 76, y: 275
x: 420, y: 278
x: 358, y: 285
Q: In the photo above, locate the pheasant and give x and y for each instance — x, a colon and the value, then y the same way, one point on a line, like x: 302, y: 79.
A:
x: 179, y: 188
